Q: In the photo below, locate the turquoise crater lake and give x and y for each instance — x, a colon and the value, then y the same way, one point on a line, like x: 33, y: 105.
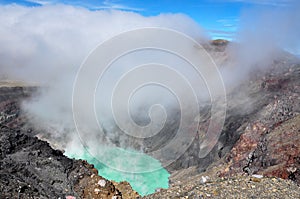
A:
x: 122, y: 163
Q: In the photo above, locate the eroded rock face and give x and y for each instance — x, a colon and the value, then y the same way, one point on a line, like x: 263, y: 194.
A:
x: 254, y: 110
x: 270, y: 143
x: 278, y: 152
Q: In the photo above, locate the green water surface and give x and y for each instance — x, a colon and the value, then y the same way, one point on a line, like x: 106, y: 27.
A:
x: 144, y: 173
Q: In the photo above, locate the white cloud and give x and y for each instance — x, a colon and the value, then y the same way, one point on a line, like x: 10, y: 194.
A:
x: 100, y: 5
x: 229, y: 23
x: 224, y: 34
x: 264, y: 2
x: 109, y: 4
x: 39, y: 40
x: 40, y: 2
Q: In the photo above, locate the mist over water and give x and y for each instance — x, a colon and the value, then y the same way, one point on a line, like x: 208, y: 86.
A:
x: 142, y: 182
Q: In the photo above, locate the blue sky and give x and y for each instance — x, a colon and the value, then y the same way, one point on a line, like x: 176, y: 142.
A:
x: 219, y: 17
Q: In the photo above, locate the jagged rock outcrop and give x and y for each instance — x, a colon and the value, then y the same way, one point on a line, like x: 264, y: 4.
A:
x: 272, y: 152
x: 30, y: 168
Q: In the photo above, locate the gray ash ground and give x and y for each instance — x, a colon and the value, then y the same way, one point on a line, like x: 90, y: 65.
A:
x: 235, y: 187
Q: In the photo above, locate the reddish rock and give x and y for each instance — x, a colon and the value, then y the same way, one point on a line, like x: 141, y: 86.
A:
x: 241, y: 153
x: 273, y: 153
x: 280, y: 154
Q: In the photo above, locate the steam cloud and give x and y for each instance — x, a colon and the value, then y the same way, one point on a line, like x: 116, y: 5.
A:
x: 262, y: 36
x: 47, y: 44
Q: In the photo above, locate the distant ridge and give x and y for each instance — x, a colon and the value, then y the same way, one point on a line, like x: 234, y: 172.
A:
x: 219, y: 42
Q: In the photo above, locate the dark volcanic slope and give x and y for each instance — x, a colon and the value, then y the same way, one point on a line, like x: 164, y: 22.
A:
x: 30, y: 168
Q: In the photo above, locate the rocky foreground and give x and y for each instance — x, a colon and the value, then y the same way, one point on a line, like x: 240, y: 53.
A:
x: 235, y: 187
x: 257, y: 155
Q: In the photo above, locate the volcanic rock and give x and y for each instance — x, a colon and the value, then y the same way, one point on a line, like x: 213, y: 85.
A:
x: 30, y: 168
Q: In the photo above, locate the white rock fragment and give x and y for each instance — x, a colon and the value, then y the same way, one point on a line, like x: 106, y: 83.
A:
x: 70, y: 197
x: 292, y: 169
x: 204, y: 179
x: 158, y: 189
x: 102, y: 183
x: 257, y: 176
x: 97, y: 191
